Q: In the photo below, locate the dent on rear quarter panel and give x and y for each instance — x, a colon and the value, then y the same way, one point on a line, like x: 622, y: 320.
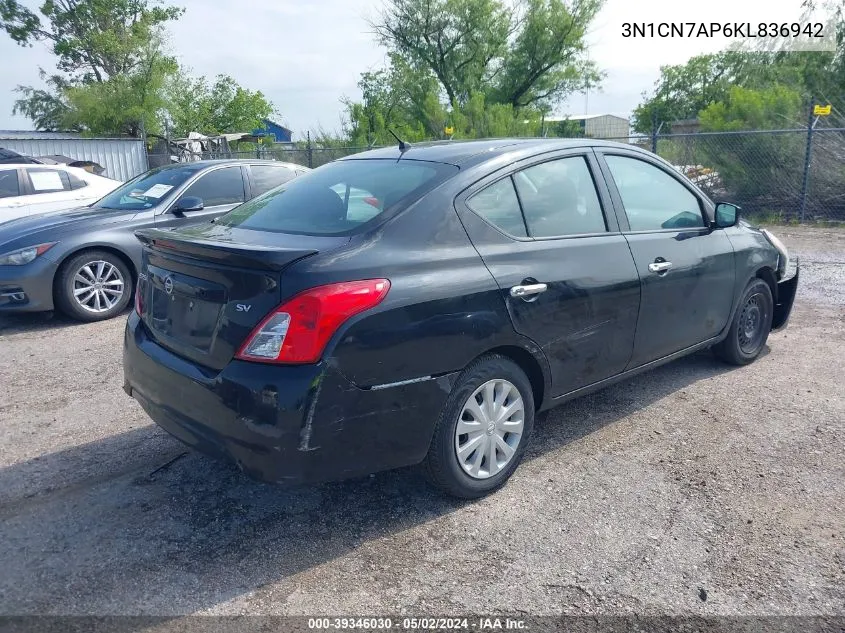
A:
x: 443, y: 309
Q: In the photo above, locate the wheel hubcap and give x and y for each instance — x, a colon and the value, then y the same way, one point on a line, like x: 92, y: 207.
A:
x: 751, y: 324
x: 98, y: 286
x: 489, y: 429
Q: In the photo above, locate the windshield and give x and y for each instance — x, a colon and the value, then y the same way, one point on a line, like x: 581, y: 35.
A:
x: 339, y: 198
x: 148, y: 189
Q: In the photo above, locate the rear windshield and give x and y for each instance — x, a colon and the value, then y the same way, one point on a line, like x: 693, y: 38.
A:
x: 340, y: 197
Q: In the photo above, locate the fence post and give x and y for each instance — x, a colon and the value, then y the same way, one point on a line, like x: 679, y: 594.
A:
x: 808, y: 156
x: 310, y: 150
x: 654, y: 132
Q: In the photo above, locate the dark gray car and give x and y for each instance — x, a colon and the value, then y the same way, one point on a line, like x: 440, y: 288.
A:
x: 85, y: 261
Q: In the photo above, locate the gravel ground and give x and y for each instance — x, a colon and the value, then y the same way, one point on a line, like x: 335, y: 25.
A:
x: 694, y: 489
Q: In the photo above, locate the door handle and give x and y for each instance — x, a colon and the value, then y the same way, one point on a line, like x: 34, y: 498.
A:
x: 659, y: 267
x: 528, y: 290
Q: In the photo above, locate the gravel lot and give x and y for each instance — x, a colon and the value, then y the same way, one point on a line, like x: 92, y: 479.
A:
x: 693, y: 481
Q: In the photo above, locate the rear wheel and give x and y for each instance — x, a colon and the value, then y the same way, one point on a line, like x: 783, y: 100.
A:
x: 751, y: 325
x: 93, y: 286
x: 483, y: 429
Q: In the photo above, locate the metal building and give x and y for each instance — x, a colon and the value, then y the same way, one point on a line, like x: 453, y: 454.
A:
x: 122, y: 158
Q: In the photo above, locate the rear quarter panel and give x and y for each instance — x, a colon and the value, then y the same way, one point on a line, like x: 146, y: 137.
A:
x: 443, y: 310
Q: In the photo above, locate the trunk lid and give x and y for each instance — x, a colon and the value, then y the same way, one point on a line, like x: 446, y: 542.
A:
x: 204, y: 289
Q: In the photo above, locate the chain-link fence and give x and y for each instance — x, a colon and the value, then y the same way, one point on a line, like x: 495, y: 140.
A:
x: 778, y: 175
x: 312, y: 156
x: 788, y: 175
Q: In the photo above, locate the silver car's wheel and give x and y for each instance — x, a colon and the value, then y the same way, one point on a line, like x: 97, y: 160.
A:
x: 98, y: 286
x: 489, y: 429
x: 93, y: 285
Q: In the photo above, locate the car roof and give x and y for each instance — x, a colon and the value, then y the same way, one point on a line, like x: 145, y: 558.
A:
x: 462, y: 153
x: 210, y: 162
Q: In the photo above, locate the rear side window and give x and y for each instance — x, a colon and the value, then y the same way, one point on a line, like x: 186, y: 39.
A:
x: 9, y: 183
x: 266, y: 177
x: 499, y: 205
x: 341, y: 197
x: 559, y: 198
x: 218, y: 187
x: 75, y: 181
x: 47, y: 180
x: 653, y: 199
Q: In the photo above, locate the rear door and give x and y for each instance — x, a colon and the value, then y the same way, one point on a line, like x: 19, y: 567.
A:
x: 686, y: 268
x: 548, y: 235
x: 48, y: 189
x: 220, y: 188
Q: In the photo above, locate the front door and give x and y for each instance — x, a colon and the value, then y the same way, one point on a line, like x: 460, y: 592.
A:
x: 686, y: 268
x: 564, y: 270
x: 220, y: 190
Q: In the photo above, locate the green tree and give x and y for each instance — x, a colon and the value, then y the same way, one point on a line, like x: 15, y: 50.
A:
x: 454, y: 39
x: 109, y: 58
x: 531, y: 54
x: 93, y: 39
x: 194, y: 105
x: 124, y: 104
x: 547, y: 58
x: 756, y: 169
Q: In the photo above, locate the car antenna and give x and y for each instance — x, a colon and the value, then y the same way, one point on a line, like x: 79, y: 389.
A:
x: 403, y: 146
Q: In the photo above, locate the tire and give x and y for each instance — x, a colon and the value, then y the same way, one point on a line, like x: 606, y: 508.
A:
x: 442, y: 465
x: 751, y: 325
x: 104, y: 274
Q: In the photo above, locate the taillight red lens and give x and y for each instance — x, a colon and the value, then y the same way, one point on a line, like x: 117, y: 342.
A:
x: 299, y: 329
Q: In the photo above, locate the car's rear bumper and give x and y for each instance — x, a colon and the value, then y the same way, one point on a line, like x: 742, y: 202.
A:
x: 787, y: 289
x: 283, y: 424
x: 27, y: 288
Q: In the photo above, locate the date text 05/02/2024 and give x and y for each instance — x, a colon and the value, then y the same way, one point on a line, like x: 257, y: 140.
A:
x: 425, y: 624
x: 813, y: 30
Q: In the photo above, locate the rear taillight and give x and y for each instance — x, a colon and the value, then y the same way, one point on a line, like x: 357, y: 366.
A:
x: 299, y: 329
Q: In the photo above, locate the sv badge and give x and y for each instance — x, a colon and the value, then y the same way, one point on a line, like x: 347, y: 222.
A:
x: 242, y: 307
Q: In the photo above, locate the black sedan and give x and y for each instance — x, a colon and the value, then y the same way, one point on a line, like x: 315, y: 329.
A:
x: 85, y: 261
x: 422, y: 304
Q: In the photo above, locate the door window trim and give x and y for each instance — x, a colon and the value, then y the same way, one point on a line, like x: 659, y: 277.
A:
x: 594, y: 168
x: 622, y: 216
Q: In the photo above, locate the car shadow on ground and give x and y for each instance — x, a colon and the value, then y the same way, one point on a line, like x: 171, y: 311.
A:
x: 133, y: 523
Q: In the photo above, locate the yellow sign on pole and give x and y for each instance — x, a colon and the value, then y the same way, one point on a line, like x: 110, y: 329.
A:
x: 449, y: 130
x: 820, y: 110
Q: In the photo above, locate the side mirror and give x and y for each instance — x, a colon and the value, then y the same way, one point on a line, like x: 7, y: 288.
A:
x: 188, y: 203
x: 727, y: 215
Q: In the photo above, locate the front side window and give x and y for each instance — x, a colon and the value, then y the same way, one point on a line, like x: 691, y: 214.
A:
x: 218, y: 187
x: 499, y: 205
x: 653, y: 199
x: 559, y: 198
x: 9, y: 186
x: 340, y: 197
x: 47, y: 180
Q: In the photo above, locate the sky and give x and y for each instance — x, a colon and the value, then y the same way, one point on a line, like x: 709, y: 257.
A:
x: 306, y: 57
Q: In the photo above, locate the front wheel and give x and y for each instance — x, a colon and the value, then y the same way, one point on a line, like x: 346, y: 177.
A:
x: 751, y: 325
x: 483, y: 429
x: 93, y: 286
